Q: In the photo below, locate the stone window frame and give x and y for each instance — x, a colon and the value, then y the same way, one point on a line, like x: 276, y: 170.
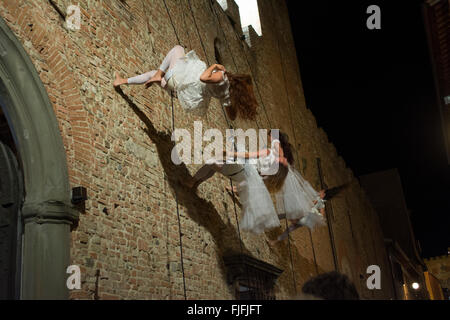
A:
x: 244, y: 271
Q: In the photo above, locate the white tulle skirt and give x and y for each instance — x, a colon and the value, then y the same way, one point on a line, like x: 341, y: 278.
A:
x: 191, y: 92
x: 296, y: 197
x: 258, y: 210
x: 296, y: 200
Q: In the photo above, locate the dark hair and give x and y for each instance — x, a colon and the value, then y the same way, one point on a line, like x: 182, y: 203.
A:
x: 332, y: 192
x: 275, y: 181
x: 243, y: 100
x: 331, y: 286
x: 286, y: 146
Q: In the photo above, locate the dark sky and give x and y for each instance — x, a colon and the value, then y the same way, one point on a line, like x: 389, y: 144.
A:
x: 373, y: 93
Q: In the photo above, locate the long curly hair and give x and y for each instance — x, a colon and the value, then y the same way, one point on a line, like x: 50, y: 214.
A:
x: 243, y: 100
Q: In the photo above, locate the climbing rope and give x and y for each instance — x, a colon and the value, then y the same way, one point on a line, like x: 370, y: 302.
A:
x: 234, y: 145
x: 176, y: 195
x: 213, y: 9
x: 248, y: 63
x: 178, y: 215
x: 173, y: 128
x: 185, y: 27
x: 211, y: 3
x: 171, y: 21
x: 293, y: 130
x: 198, y: 32
x: 265, y: 111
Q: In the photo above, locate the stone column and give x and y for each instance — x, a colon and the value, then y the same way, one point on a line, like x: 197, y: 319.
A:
x: 46, y: 250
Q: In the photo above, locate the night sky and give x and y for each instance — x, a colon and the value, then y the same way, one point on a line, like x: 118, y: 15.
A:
x: 372, y: 91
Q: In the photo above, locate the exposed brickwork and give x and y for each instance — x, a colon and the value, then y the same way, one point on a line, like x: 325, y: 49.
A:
x: 118, y: 147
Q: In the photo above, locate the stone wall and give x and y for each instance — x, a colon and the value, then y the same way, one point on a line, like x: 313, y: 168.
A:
x: 440, y: 268
x: 118, y: 147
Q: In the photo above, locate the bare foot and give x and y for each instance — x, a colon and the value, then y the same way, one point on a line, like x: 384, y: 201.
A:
x: 118, y: 80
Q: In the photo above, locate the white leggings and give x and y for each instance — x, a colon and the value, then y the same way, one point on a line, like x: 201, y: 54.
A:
x: 169, y: 61
x: 232, y: 170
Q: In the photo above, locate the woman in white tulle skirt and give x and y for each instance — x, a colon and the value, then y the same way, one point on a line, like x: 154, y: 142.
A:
x: 194, y: 84
x: 253, y: 183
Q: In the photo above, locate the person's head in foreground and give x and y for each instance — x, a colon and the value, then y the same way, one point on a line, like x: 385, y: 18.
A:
x: 331, y: 286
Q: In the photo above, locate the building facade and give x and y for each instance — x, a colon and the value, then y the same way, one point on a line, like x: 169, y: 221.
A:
x: 407, y: 267
x: 437, y: 24
x: 139, y: 235
x: 439, y: 268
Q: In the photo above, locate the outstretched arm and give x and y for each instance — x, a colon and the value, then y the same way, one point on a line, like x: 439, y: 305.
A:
x: 208, y: 76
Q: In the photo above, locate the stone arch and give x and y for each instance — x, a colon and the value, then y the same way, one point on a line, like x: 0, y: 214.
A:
x: 44, y: 44
x: 47, y: 212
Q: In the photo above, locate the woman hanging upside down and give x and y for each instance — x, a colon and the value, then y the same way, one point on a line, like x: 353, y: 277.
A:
x: 194, y: 84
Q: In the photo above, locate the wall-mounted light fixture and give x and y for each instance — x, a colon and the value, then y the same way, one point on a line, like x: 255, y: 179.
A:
x: 79, y: 195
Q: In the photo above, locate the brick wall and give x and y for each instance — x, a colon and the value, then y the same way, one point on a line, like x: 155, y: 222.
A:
x: 118, y: 147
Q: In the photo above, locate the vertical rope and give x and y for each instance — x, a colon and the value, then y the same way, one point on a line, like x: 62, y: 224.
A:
x: 251, y: 71
x: 213, y: 9
x: 295, y: 140
x: 223, y: 32
x: 292, y: 263
x: 187, y: 30
x: 330, y: 227
x: 198, y: 32
x: 231, y: 181
x: 178, y: 215
x: 171, y: 21
x: 176, y: 195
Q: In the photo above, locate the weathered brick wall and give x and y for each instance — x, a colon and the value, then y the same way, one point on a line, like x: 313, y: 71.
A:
x: 118, y: 147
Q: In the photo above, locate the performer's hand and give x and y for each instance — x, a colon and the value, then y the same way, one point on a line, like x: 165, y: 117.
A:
x: 220, y: 67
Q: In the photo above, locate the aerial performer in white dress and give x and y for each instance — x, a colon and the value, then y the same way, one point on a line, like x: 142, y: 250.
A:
x: 194, y: 84
x: 253, y: 183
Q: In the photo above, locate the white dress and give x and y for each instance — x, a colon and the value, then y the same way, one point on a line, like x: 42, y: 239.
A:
x: 296, y: 199
x: 268, y: 165
x: 258, y: 210
x: 195, y: 95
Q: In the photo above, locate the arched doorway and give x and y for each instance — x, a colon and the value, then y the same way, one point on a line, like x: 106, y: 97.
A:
x: 46, y: 214
x: 11, y: 198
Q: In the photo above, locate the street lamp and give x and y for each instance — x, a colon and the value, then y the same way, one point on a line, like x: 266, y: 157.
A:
x: 415, y: 285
